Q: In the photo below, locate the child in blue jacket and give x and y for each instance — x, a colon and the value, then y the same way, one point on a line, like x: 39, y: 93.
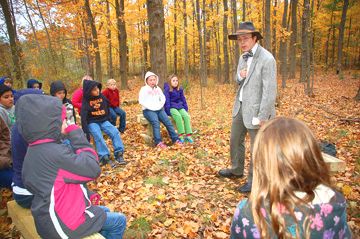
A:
x: 176, y: 107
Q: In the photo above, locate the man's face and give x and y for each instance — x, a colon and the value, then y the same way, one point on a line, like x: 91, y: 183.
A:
x: 151, y: 81
x: 246, y: 42
x: 8, y: 83
x: 7, y: 99
x: 60, y: 94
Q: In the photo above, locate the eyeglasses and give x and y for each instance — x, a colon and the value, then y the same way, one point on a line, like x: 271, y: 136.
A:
x: 243, y: 39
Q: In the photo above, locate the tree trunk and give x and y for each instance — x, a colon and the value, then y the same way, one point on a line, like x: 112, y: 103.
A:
x: 110, y: 71
x: 95, y: 41
x: 305, y: 51
x: 155, y: 11
x: 283, y: 47
x: 293, y: 39
x: 186, y: 63
x: 333, y: 46
x: 341, y: 37
x: 202, y: 54
x: 217, y: 44
x: 328, y: 40
x: 89, y: 66
x: 14, y: 44
x: 274, y: 41
x: 225, y: 43
x: 243, y: 10
x: 267, y: 36
x: 234, y: 28
x: 122, y: 38
x: 175, y: 37
x: 347, y: 57
x: 51, y: 49
x: 203, y: 14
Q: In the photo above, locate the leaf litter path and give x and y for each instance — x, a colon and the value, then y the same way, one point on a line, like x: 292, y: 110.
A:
x: 175, y: 193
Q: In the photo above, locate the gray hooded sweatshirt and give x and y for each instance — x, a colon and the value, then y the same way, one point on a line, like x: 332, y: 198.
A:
x: 55, y: 173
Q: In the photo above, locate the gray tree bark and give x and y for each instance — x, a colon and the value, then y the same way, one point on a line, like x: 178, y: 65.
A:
x: 283, y: 47
x: 155, y: 11
x: 225, y: 43
x: 293, y: 40
x: 94, y: 41
x: 175, y: 37
x: 186, y: 60
x: 305, y: 48
x: 243, y: 10
x: 122, y: 39
x: 234, y: 28
x: 110, y: 71
x: 341, y: 37
x: 16, y: 50
x: 267, y: 37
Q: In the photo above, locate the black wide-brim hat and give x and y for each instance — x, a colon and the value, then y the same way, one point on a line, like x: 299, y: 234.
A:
x: 245, y: 28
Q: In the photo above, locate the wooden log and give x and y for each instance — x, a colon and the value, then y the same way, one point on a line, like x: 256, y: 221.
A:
x: 24, y: 222
x: 335, y: 164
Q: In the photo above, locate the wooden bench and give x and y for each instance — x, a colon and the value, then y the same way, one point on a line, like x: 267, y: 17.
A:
x: 148, y: 134
x: 335, y: 164
x: 24, y: 222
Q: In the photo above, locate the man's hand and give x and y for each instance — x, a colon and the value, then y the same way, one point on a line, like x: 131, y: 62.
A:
x: 243, y: 73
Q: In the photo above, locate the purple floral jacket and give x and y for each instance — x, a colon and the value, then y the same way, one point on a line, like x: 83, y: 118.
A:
x: 327, y: 220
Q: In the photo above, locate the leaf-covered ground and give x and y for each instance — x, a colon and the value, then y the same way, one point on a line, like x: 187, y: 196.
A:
x: 175, y: 193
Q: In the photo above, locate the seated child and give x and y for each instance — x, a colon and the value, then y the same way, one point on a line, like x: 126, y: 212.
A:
x: 77, y: 96
x: 7, y: 108
x: 291, y: 194
x: 6, y: 171
x: 176, y: 106
x: 56, y: 174
x: 94, y: 120
x: 112, y: 94
x: 33, y: 83
x: 152, y: 100
x: 18, y: 148
x: 58, y: 89
x: 6, y: 81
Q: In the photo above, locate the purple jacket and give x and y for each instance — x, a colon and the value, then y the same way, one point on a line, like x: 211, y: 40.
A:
x: 174, y: 99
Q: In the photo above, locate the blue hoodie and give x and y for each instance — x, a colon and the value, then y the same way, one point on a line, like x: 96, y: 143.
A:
x: 31, y: 82
x: 18, y: 144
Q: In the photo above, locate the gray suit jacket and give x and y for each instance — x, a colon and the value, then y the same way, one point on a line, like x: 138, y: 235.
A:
x: 259, y: 93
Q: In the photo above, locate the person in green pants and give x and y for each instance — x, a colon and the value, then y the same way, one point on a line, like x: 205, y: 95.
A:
x: 177, y: 108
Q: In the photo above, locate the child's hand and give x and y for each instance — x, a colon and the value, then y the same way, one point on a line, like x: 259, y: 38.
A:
x: 64, y: 126
x: 95, y: 199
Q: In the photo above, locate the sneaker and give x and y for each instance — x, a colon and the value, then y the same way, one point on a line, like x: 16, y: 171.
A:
x: 104, y: 160
x: 178, y: 142
x: 120, y: 159
x: 188, y: 139
x: 161, y: 145
x: 181, y: 139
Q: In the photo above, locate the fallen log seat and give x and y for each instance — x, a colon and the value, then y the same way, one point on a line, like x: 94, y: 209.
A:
x: 335, y: 164
x: 24, y: 222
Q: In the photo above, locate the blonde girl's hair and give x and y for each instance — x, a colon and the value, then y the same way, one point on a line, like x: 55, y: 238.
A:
x: 109, y: 81
x: 287, y: 159
x: 169, y: 82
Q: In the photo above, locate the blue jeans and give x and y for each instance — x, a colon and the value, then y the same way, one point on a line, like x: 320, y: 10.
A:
x: 114, y: 225
x: 109, y: 129
x: 23, y: 200
x: 155, y: 117
x: 6, y: 176
x: 114, y: 111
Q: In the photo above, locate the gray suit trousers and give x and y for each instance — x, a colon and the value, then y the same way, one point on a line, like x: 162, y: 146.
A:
x: 237, y: 145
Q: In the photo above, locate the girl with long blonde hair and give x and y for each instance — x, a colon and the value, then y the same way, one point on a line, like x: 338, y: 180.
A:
x: 291, y: 195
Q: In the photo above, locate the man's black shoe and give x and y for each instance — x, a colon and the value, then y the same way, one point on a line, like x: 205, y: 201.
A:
x: 246, y: 188
x: 226, y: 173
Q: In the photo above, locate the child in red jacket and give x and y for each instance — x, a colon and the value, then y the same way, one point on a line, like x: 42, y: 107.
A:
x: 112, y: 94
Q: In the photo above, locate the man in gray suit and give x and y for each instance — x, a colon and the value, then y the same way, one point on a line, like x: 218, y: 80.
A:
x: 255, y: 98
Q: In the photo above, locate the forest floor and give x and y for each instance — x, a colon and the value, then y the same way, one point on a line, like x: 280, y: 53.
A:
x: 175, y: 193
